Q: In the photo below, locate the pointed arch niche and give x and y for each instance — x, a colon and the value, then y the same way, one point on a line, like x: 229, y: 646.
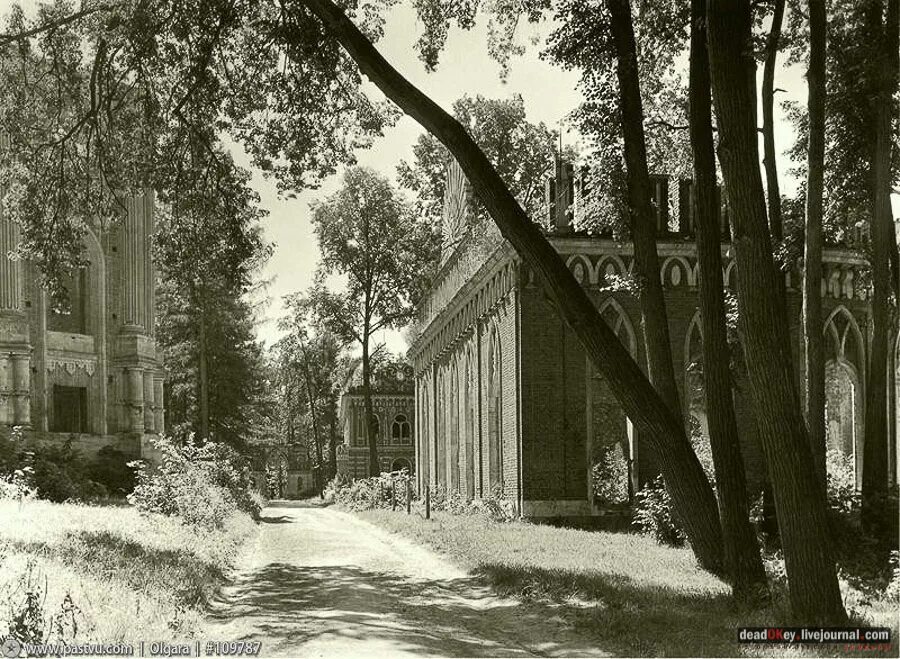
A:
x: 611, y: 446
x: 844, y: 399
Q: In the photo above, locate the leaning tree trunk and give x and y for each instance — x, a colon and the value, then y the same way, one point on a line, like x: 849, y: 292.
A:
x: 875, y: 458
x: 748, y: 576
x: 768, y: 108
x: 371, y: 428
x: 814, y: 351
x: 689, y: 489
x: 643, y: 223
x: 799, y: 497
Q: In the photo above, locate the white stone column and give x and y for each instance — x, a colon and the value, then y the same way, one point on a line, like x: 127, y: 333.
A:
x: 134, y: 263
x: 149, y: 416
x: 160, y: 407
x: 135, y: 401
x: 22, y: 389
x: 6, y: 391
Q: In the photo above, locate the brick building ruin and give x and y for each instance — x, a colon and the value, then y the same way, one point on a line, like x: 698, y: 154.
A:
x: 507, y: 400
x: 93, y: 372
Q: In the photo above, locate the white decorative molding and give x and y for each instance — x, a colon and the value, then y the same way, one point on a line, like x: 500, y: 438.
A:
x: 72, y: 364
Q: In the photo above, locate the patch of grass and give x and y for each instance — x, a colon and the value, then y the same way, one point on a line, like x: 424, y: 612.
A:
x: 635, y: 597
x: 116, y: 574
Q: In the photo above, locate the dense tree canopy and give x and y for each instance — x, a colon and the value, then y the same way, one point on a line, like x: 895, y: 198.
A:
x: 521, y: 151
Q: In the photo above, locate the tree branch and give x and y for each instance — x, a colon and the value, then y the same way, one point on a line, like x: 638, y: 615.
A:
x: 53, y: 25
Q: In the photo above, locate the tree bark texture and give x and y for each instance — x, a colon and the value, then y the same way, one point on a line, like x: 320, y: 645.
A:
x: 688, y: 486
x: 799, y: 495
x: 643, y: 221
x: 748, y: 576
x: 814, y: 350
x: 371, y: 428
x: 314, y: 420
x: 875, y: 458
x: 203, y: 377
x: 332, y: 441
x: 768, y: 108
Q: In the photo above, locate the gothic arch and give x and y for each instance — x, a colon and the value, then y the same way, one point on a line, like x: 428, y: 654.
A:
x: 667, y: 273
x: 614, y: 260
x: 606, y: 422
x: 621, y: 323
x: 844, y: 411
x: 693, y: 350
x: 452, y: 440
x: 470, y: 419
x: 494, y: 402
x: 730, y: 274
x: 588, y: 276
x: 842, y: 329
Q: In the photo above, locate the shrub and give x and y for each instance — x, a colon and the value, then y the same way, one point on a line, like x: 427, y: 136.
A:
x: 110, y: 469
x: 892, y: 592
x: 375, y: 492
x: 200, y: 483
x: 17, y: 485
x: 840, y: 482
x: 654, y: 515
x: 54, y: 472
x: 610, y: 476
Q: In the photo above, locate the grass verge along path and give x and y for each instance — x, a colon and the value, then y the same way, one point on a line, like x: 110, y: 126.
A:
x: 635, y: 597
x: 109, y: 574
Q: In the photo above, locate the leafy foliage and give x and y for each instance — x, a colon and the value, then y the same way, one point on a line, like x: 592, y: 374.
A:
x: 852, y: 77
x: 129, y: 96
x: 522, y: 153
x: 654, y: 515
x: 582, y: 41
x: 202, y: 484
x: 59, y: 472
x: 208, y: 248
x: 307, y: 365
x: 610, y: 476
x: 389, y: 490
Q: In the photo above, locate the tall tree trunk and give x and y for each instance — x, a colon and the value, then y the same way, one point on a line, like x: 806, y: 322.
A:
x: 332, y: 440
x: 874, y: 481
x: 371, y: 429
x: 799, y: 495
x: 768, y: 108
x: 814, y: 351
x: 307, y: 377
x: 203, y: 376
x: 643, y: 221
x: 748, y: 576
x: 690, y: 491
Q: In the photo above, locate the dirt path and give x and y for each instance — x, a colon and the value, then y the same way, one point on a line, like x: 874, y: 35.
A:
x: 323, y: 583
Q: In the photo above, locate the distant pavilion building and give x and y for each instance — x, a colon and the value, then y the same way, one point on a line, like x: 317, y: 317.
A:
x: 394, y: 408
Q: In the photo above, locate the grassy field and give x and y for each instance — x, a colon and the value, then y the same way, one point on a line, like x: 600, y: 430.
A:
x: 109, y: 574
x: 634, y: 596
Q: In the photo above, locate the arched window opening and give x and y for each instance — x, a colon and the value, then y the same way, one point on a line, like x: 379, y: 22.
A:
x: 70, y: 313
x: 400, y: 430
x: 470, y: 387
x: 495, y: 446
x: 842, y: 421
x: 611, y: 437
x: 400, y: 464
